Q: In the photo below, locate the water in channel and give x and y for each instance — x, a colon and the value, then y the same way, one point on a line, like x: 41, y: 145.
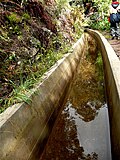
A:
x: 81, y: 131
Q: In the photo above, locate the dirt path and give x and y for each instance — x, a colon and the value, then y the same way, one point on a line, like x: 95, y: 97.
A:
x: 116, y: 46
x: 114, y: 43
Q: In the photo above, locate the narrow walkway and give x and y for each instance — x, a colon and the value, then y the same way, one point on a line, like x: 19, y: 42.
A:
x: 114, y: 43
x: 116, y: 46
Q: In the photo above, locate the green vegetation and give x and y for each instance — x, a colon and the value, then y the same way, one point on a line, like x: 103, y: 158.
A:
x: 14, y: 18
x: 99, y: 20
x: 20, y: 92
x: 99, y: 67
x: 25, y: 16
x: 33, y: 36
x: 100, y: 25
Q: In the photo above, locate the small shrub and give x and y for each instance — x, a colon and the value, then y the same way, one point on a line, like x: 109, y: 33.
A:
x: 102, y: 24
x: 25, y: 16
x: 14, y: 18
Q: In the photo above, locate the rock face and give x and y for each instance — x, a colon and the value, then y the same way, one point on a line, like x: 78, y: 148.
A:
x: 26, y: 31
x: 36, y: 9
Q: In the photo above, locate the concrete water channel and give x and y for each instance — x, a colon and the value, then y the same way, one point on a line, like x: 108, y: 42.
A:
x: 79, y: 121
x: 81, y: 131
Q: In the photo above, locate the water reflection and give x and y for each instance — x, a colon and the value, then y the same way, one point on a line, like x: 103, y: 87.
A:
x: 90, y: 137
x: 88, y: 111
x: 81, y: 131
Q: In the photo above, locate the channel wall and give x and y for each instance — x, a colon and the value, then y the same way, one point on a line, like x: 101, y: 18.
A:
x: 25, y: 127
x: 112, y: 86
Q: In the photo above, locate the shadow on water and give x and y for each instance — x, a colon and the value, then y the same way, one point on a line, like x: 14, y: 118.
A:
x: 81, y: 131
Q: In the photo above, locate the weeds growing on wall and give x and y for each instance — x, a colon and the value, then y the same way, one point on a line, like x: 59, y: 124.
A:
x: 99, y: 66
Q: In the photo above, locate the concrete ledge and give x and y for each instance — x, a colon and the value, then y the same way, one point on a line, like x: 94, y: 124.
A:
x: 112, y: 82
x: 24, y: 127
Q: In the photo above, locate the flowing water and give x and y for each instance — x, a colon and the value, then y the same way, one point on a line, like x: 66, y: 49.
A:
x: 81, y: 131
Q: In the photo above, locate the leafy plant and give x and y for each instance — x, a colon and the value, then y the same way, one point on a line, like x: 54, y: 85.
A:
x: 100, y: 25
x: 99, y: 61
x: 99, y: 19
x: 77, y: 16
x: 14, y: 21
x: 60, y: 4
x: 25, y: 16
x: 14, y: 18
x: 102, y: 6
x: 23, y: 88
x: 19, y: 94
